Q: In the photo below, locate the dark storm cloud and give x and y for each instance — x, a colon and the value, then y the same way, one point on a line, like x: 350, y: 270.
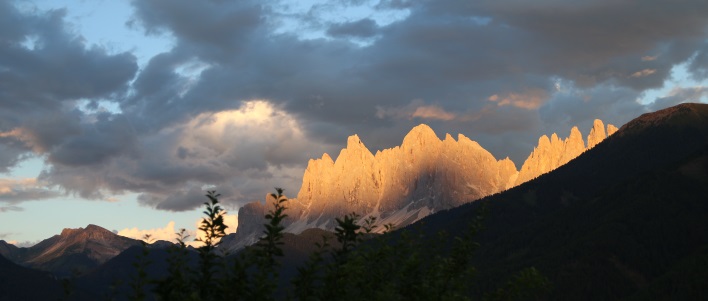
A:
x: 364, y: 28
x: 214, y: 30
x: 240, y: 152
x: 501, y: 72
x: 584, y: 40
x: 577, y: 106
x: 108, y: 136
x: 44, y: 70
x: 10, y: 154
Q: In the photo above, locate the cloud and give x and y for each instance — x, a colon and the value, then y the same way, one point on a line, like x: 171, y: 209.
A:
x: 20, y: 244
x: 580, y: 106
x: 679, y: 95
x: 699, y: 63
x: 167, y: 233
x: 241, y: 153
x: 529, y: 100
x: 13, y: 191
x: 230, y: 220
x: 642, y: 73
x: 417, y: 109
x: 432, y: 112
x: 649, y: 58
x: 364, y: 28
x: 42, y: 81
x: 11, y: 208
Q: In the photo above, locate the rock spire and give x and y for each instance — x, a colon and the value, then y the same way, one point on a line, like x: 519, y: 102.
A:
x: 553, y: 153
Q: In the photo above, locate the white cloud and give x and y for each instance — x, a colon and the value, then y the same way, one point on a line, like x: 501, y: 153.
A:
x: 166, y: 233
x: 230, y: 220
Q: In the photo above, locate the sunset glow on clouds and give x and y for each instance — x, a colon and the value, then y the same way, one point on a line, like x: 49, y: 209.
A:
x: 151, y: 103
x: 169, y: 233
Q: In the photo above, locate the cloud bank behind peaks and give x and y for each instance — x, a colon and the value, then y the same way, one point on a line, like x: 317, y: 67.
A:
x: 167, y: 233
x: 241, y: 153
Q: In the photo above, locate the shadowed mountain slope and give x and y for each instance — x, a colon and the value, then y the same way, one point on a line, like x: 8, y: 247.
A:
x: 627, y: 218
x: 20, y: 283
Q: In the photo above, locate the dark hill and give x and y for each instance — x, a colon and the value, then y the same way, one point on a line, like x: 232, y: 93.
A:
x: 20, y: 283
x: 627, y: 218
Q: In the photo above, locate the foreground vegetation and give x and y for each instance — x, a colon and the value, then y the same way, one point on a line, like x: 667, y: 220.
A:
x: 359, y: 265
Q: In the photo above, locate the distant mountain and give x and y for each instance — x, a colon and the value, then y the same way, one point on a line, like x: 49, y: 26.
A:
x: 114, y: 275
x: 9, y: 251
x: 624, y: 220
x: 403, y: 184
x: 73, y: 251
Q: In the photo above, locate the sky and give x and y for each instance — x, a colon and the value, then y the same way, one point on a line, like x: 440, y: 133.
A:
x: 124, y: 113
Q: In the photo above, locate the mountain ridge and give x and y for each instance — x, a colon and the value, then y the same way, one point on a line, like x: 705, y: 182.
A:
x: 402, y: 184
x: 73, y: 250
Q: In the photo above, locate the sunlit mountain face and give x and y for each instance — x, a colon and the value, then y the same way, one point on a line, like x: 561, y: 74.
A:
x: 406, y: 183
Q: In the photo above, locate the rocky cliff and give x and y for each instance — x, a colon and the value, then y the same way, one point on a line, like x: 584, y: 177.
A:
x: 553, y: 152
x: 403, y: 184
x: 398, y: 185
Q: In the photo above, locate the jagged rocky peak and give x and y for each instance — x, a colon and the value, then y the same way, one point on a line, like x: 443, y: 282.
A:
x: 553, y: 153
x: 597, y: 133
x: 355, y: 148
x: 611, y: 129
x: 402, y: 184
x: 405, y: 183
x: 420, y: 135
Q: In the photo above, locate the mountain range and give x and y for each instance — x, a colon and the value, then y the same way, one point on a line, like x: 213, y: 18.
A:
x: 618, y: 218
x: 404, y: 184
x: 74, y: 251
